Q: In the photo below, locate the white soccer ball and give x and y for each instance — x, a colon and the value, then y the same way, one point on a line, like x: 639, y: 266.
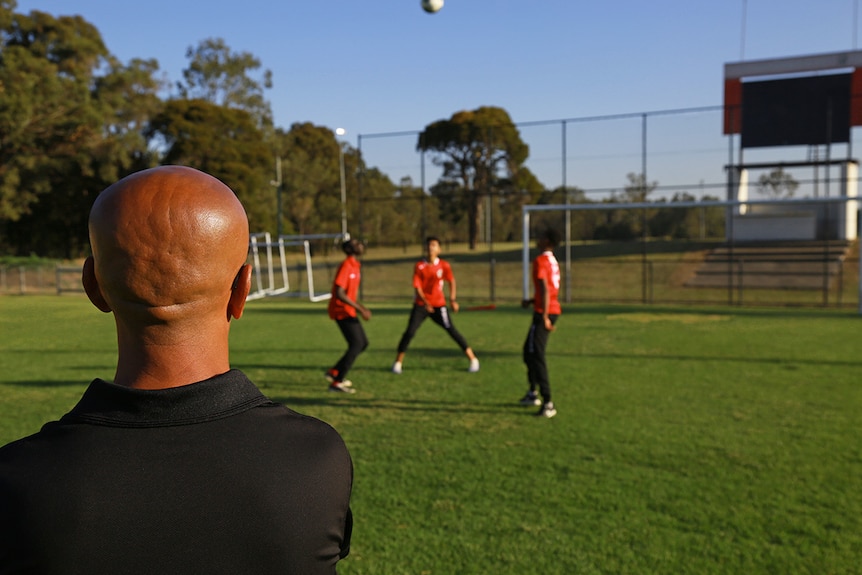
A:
x: 432, y: 6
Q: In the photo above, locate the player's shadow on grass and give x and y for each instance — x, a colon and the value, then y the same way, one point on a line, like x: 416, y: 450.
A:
x: 702, y: 358
x: 356, y: 401
x: 319, y: 310
x: 83, y: 383
x: 716, y: 309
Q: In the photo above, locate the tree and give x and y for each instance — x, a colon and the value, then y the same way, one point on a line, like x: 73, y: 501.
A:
x: 128, y: 97
x: 220, y: 76
x: 379, y: 210
x: 512, y: 194
x: 66, y: 128
x: 475, y: 149
x: 224, y: 142
x: 311, y: 178
x: 638, y: 189
x: 583, y: 222
x: 7, y: 9
x: 777, y: 184
x: 413, y: 214
x: 46, y: 116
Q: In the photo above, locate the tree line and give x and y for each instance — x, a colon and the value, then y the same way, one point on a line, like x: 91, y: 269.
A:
x: 74, y: 119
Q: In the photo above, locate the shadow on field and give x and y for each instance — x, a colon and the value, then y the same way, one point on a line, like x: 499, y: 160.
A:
x: 708, y: 310
x: 788, y: 361
x: 44, y: 383
x: 356, y: 401
x: 297, y: 310
x: 451, y: 360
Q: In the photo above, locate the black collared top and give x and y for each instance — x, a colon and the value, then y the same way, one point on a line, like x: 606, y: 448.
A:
x: 211, y: 477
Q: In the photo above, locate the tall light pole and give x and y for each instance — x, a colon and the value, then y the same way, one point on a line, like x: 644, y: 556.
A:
x: 341, y: 132
x: 277, y: 183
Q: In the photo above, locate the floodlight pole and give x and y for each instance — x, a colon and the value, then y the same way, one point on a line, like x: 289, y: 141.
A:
x: 423, y: 232
x: 277, y: 183
x: 568, y: 224
x: 341, y: 132
x: 525, y: 254
x: 644, y: 231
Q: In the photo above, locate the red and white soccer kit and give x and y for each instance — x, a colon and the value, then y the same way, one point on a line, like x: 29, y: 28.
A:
x: 347, y: 277
x: 545, y: 267
x: 429, y: 277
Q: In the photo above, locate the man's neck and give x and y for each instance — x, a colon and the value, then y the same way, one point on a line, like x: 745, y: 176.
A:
x: 154, y: 362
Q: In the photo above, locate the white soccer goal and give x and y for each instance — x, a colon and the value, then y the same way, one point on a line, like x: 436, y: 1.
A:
x: 265, y: 282
x: 734, y: 207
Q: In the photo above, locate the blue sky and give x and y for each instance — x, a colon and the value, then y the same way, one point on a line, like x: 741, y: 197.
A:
x: 385, y: 65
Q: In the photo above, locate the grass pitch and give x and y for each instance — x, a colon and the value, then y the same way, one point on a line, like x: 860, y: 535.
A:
x: 687, y: 440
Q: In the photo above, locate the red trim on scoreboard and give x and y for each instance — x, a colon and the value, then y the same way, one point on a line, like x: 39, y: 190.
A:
x: 856, y: 98
x: 733, y: 105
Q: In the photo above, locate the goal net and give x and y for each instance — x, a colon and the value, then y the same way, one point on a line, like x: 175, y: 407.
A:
x: 273, y: 263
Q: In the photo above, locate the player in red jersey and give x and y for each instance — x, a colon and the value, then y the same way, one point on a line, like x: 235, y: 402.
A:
x: 546, y: 310
x: 429, y: 274
x: 343, y: 307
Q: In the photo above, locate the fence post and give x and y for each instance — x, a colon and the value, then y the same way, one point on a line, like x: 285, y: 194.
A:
x: 651, y: 283
x: 493, y: 279
x: 840, y: 282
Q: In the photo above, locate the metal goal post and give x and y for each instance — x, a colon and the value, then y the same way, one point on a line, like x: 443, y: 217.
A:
x: 264, y: 265
x: 732, y: 206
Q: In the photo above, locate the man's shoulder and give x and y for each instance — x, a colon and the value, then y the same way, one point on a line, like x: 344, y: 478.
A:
x: 297, y: 423
x: 33, y: 449
x: 304, y: 438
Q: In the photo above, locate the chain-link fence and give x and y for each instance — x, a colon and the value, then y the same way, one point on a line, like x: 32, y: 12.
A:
x: 46, y: 279
x: 708, y: 271
x: 659, y: 271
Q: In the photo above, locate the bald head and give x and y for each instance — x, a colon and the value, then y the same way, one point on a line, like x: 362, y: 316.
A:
x: 167, y: 241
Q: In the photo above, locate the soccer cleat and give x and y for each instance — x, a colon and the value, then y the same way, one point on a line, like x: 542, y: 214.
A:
x: 345, y: 386
x: 530, y: 399
x: 330, y: 375
x: 474, y: 365
x: 396, y: 367
x: 547, y: 410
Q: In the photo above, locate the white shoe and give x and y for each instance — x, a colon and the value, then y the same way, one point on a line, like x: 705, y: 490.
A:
x: 530, y: 399
x: 474, y: 365
x: 345, y: 386
x: 547, y: 410
x: 396, y: 367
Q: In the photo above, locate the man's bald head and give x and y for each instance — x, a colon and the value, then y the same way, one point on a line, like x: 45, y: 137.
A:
x: 167, y: 241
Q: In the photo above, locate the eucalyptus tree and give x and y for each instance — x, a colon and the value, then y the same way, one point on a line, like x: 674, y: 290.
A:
x: 70, y: 118
x: 777, y: 184
x: 477, y: 150
x: 221, y: 76
x: 225, y: 142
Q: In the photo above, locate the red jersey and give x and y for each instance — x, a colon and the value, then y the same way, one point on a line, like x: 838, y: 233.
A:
x: 429, y: 277
x: 545, y: 266
x: 347, y: 277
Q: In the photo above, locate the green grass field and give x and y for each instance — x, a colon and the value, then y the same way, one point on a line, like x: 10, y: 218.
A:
x: 688, y: 440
